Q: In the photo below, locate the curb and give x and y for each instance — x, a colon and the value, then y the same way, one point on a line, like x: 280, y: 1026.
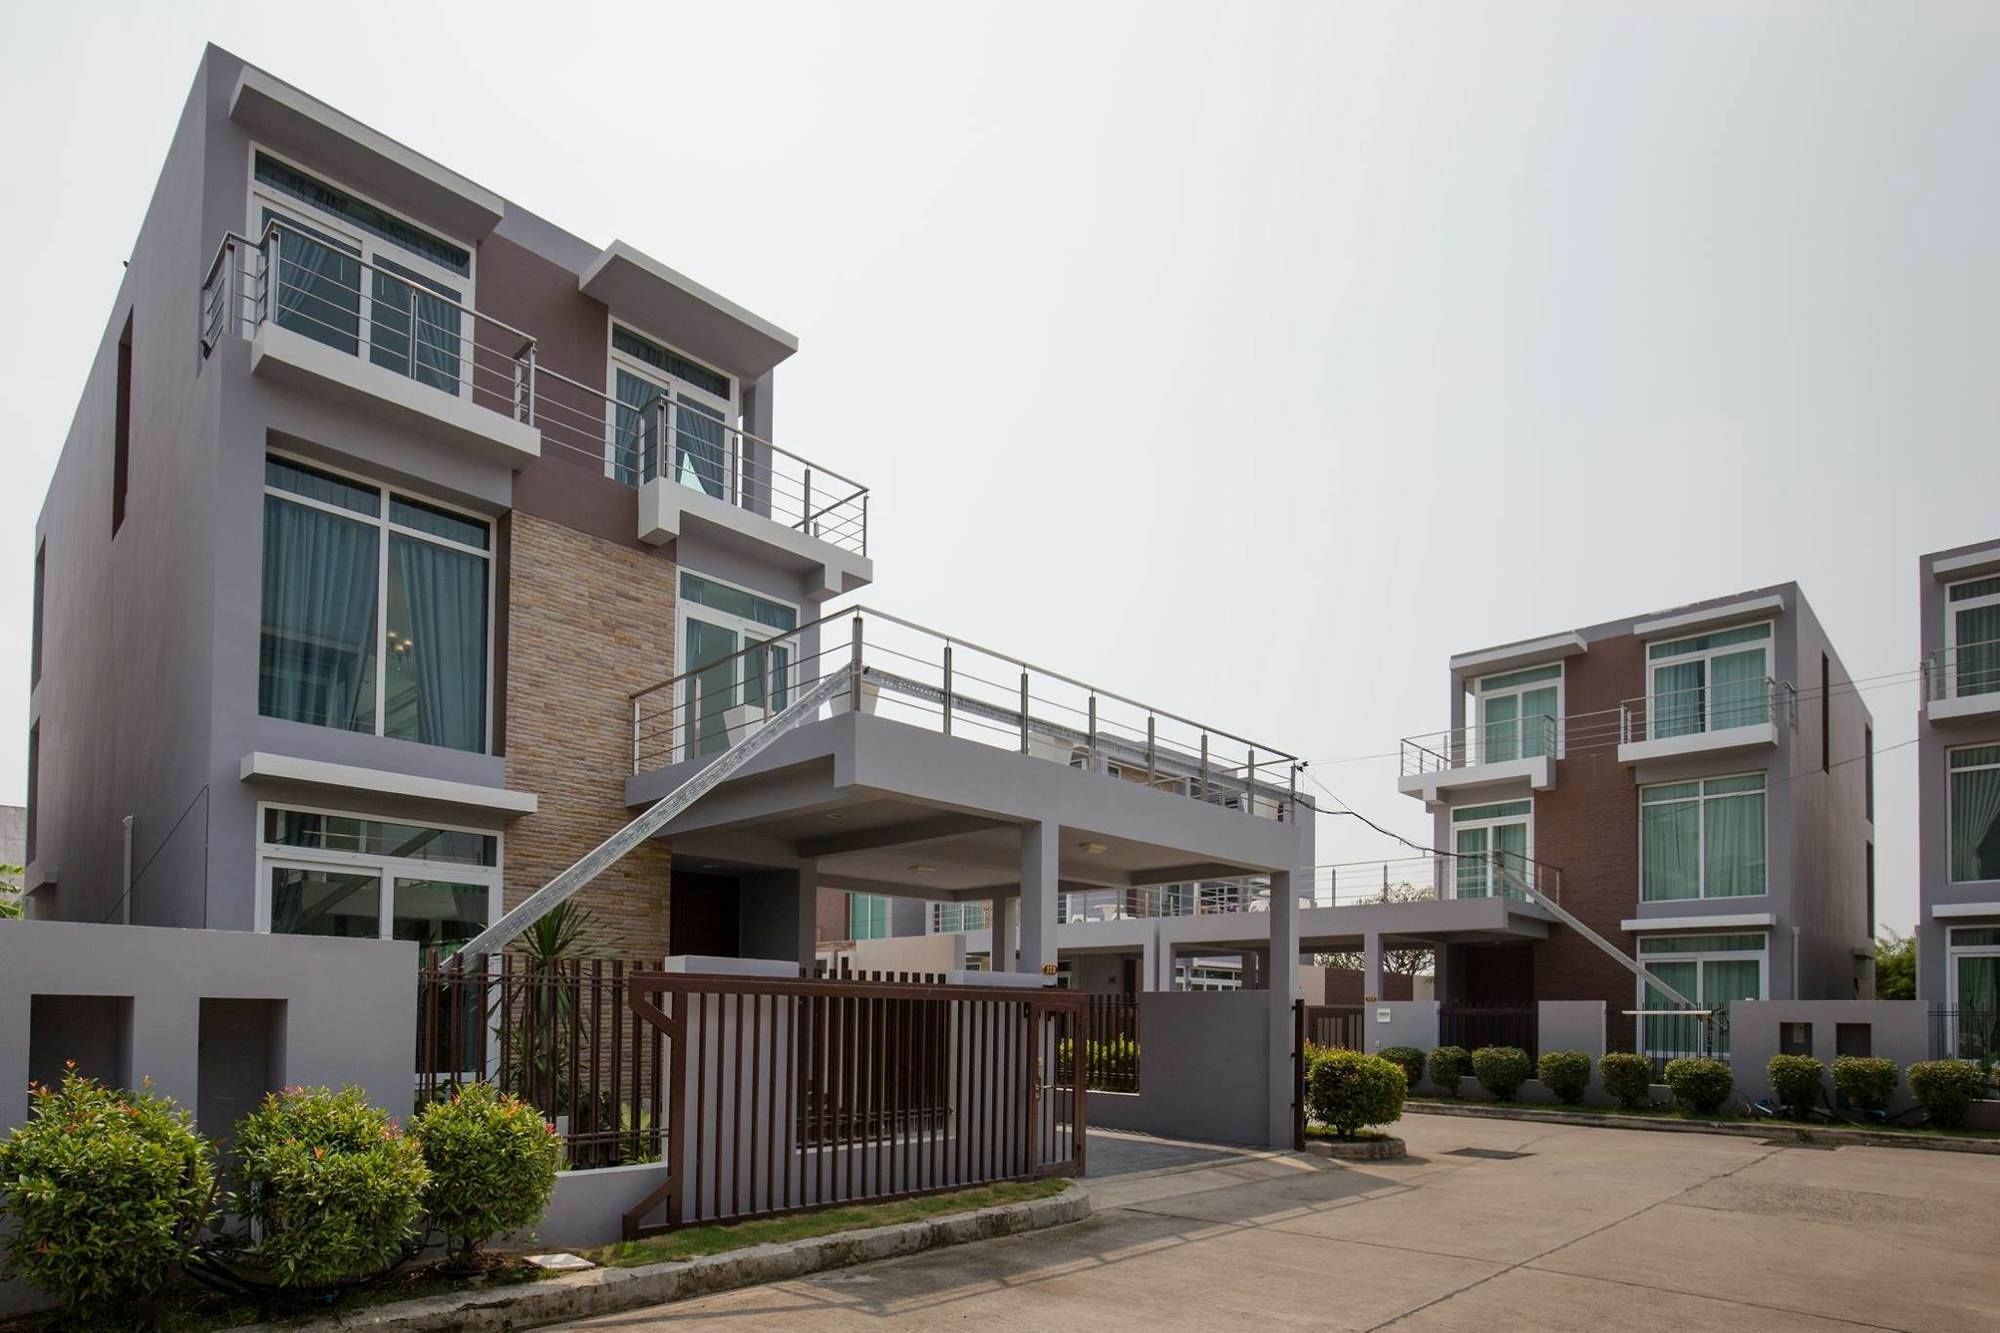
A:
x: 1772, y: 1129
x: 611, y: 1290
x: 1385, y: 1149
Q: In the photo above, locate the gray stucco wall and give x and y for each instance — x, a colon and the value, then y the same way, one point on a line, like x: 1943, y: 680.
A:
x: 1203, y: 1071
x: 1898, y: 1030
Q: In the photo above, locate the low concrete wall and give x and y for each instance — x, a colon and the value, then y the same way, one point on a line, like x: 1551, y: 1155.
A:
x: 1400, y: 1023
x: 1898, y: 1030
x: 588, y: 1207
x: 1203, y: 1071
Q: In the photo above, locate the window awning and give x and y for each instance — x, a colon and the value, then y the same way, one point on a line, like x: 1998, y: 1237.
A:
x: 656, y: 300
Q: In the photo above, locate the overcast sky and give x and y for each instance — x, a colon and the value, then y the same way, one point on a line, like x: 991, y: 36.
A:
x: 1251, y: 359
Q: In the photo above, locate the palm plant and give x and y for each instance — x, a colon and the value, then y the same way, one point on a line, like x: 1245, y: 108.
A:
x: 538, y: 1064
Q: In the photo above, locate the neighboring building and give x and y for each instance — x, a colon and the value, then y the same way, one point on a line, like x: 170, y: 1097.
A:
x: 404, y: 545
x: 1694, y: 785
x: 1958, y: 796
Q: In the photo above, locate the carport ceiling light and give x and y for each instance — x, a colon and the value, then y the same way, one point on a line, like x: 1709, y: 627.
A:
x: 1092, y: 848
x: 921, y: 869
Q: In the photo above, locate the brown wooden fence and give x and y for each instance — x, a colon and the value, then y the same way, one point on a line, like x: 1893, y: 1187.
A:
x: 1111, y: 1043
x: 1334, y: 1025
x: 787, y: 1095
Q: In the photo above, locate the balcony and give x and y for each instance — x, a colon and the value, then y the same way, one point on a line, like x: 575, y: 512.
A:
x: 916, y: 676
x: 1717, y: 718
x: 395, y: 345
x: 1962, y: 682
x: 1439, y: 877
x: 1519, y: 751
x: 382, y: 342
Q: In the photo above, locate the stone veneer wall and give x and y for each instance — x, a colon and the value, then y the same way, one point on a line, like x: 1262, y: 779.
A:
x: 588, y: 622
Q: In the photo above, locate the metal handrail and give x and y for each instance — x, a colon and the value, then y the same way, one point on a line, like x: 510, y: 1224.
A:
x: 1637, y: 715
x: 1945, y: 676
x: 1438, y: 751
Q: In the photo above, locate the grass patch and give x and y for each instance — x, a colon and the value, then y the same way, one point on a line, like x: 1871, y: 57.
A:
x: 1777, y: 1123
x: 694, y: 1242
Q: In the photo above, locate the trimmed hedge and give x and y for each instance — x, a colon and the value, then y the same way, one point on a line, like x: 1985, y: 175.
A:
x: 1447, y: 1065
x: 336, y: 1188
x: 493, y: 1163
x: 1627, y: 1078
x: 1946, y: 1088
x: 1865, y: 1082
x: 1501, y: 1070
x: 1796, y: 1081
x: 1566, y: 1074
x: 1699, y: 1083
x: 1409, y: 1059
x: 1349, y: 1091
x: 107, y: 1190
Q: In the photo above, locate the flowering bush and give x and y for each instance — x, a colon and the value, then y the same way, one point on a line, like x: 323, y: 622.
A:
x: 335, y: 1188
x: 107, y: 1191
x: 493, y: 1163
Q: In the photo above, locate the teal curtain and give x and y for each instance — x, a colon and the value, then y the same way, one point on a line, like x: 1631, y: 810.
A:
x: 1677, y: 701
x: 1670, y: 849
x: 413, y: 331
x: 1725, y: 981
x: 710, y: 690
x: 436, y: 687
x: 1735, y: 845
x: 1978, y: 1013
x: 635, y: 453
x: 1472, y: 867
x: 1978, y: 651
x: 1538, y: 712
x: 699, y: 452
x: 1975, y: 824
x: 1510, y: 852
x: 768, y: 664
x: 1736, y: 690
x: 1500, y: 738
x: 317, y: 289
x: 316, y: 660
x: 1668, y: 1034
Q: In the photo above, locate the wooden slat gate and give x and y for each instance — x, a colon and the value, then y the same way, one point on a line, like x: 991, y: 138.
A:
x: 783, y: 1096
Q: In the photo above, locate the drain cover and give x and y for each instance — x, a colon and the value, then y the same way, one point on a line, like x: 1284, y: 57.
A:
x: 1489, y: 1154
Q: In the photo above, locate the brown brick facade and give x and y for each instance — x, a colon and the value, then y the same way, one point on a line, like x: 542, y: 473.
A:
x: 1588, y: 826
x: 587, y: 622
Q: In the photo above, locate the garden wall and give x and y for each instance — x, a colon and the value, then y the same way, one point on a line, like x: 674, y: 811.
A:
x: 1203, y: 1069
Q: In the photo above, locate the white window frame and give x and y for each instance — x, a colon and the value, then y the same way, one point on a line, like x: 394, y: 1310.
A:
x: 1479, y: 698
x: 1701, y: 799
x: 887, y: 923
x: 1705, y: 656
x: 672, y: 386
x: 1953, y: 951
x: 262, y: 196
x: 1950, y: 830
x: 1951, y: 610
x: 1700, y: 997
x: 387, y: 869
x: 1490, y: 823
x: 386, y: 525
x: 744, y: 628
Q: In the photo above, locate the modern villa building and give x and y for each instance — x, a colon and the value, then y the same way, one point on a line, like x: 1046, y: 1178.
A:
x: 405, y: 545
x: 1958, y: 796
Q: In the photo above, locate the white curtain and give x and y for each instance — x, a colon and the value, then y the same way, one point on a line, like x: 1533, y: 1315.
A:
x: 1975, y: 824
x: 1670, y: 842
x: 1735, y: 845
x: 439, y: 647
x: 317, y: 654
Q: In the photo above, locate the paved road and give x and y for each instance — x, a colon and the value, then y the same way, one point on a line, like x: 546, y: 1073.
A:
x: 1592, y: 1229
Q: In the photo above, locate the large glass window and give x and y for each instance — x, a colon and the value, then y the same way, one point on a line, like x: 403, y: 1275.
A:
x: 1492, y: 844
x: 325, y: 873
x: 1519, y: 713
x: 1702, y: 839
x: 1973, y: 1020
x: 1975, y: 813
x: 718, y: 623
x: 1711, y: 970
x: 334, y: 566
x: 952, y: 918
x: 654, y: 384
x: 1709, y: 682
x: 867, y: 916
x: 1972, y: 636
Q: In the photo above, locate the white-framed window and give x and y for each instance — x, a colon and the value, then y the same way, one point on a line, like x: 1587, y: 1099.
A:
x: 1973, y: 818
x: 377, y: 609
x: 701, y: 417
x: 1492, y: 842
x: 406, y: 309
x: 1520, y: 714
x: 327, y: 872
x: 725, y: 690
x: 1973, y: 980
x: 1711, y: 970
x: 1703, y: 839
x: 954, y: 918
x: 1972, y: 636
x: 867, y: 916
x: 1709, y: 682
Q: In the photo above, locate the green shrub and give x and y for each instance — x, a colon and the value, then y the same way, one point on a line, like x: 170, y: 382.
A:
x: 1628, y: 1078
x: 107, y: 1191
x: 1866, y: 1083
x: 1349, y: 1091
x: 1501, y: 1070
x: 1407, y: 1058
x: 1699, y: 1083
x: 493, y: 1163
x: 1566, y: 1074
x: 1946, y: 1088
x: 1795, y: 1081
x: 1447, y: 1065
x: 335, y: 1187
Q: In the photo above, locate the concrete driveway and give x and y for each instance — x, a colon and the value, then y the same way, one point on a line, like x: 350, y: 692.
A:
x: 1589, y: 1229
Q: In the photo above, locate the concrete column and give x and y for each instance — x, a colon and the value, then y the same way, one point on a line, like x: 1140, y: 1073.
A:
x: 808, y: 922
x: 1149, y: 960
x: 1040, y: 842
x: 1283, y: 990
x: 1006, y: 919
x: 1371, y: 967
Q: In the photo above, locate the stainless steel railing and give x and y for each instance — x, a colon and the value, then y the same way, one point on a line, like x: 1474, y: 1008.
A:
x: 1705, y: 708
x: 1962, y: 671
x: 1481, y: 743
